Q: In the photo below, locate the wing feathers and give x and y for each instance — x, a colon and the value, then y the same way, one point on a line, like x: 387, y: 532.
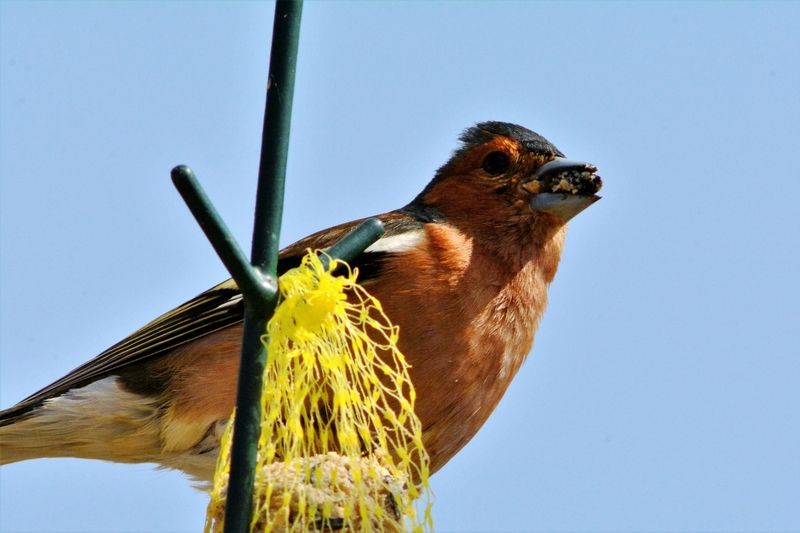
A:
x: 215, y: 309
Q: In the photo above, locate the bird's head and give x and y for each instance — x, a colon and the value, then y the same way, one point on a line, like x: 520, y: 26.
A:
x: 506, y: 172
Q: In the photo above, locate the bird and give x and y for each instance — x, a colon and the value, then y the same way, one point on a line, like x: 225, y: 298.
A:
x: 463, y: 270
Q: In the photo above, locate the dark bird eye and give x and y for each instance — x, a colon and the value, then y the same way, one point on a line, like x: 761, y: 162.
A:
x: 495, y: 163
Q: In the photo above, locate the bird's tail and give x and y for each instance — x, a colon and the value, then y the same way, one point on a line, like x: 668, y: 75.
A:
x: 99, y: 421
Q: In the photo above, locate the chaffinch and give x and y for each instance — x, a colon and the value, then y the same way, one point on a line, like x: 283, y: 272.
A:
x: 463, y: 270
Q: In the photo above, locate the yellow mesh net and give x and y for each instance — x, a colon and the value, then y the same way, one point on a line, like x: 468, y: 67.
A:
x: 340, y: 445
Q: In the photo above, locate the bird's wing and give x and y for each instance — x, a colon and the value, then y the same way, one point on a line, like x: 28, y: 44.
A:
x: 213, y: 310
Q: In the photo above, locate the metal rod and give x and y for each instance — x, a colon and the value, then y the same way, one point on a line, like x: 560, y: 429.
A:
x: 264, y: 258
x: 257, y: 279
x: 275, y: 135
x: 258, y: 288
x: 253, y: 288
x: 355, y: 242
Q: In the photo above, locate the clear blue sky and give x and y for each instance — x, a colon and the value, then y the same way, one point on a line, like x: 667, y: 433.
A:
x: 663, y: 389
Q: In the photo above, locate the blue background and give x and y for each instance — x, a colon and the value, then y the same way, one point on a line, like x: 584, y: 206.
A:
x: 662, y: 392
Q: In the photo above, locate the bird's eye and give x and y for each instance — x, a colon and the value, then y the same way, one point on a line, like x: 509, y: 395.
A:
x: 495, y: 163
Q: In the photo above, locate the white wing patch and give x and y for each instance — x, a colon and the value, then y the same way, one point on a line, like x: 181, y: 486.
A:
x: 398, y: 243
x: 235, y: 299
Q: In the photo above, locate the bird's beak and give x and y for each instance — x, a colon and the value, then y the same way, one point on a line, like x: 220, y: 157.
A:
x: 563, y: 188
x: 564, y: 206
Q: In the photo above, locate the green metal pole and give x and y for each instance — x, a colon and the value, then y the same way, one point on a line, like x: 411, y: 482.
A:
x: 264, y: 258
x: 249, y: 281
x: 355, y: 242
x: 257, y: 279
x: 275, y: 136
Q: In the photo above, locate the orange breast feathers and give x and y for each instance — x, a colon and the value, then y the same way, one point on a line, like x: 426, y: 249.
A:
x: 467, y: 320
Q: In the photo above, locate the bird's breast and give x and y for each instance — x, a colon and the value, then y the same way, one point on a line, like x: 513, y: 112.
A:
x: 466, y: 324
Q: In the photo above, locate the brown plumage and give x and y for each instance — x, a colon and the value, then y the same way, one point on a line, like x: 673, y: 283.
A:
x: 463, y: 270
